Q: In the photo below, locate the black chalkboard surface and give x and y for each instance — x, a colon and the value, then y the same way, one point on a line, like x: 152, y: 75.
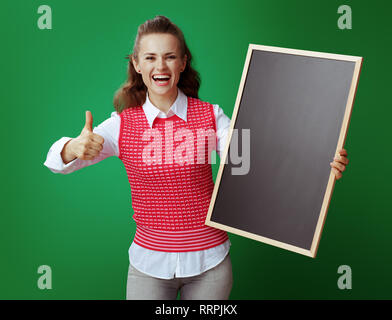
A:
x: 290, y: 119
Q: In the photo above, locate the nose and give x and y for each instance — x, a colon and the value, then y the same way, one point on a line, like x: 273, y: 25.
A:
x: 161, y: 63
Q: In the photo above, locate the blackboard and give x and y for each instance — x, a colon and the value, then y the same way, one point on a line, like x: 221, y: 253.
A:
x: 295, y: 106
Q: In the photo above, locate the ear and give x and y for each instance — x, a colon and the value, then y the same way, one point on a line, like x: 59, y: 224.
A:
x: 184, y: 61
x: 135, y: 64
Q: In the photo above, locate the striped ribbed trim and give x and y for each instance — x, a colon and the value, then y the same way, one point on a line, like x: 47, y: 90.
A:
x: 179, y: 241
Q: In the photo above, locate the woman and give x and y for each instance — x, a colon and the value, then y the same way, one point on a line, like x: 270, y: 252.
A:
x: 173, y: 250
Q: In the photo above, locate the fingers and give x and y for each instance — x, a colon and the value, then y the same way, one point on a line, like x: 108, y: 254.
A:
x: 91, y: 137
x: 343, y: 152
x: 95, y: 147
x: 89, y: 156
x: 97, y: 138
x: 87, y: 147
x: 338, y: 165
x: 89, y: 153
x: 337, y: 173
x: 341, y: 159
x: 88, y: 129
x: 89, y: 121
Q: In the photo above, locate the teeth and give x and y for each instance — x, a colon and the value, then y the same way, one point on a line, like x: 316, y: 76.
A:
x: 161, y: 77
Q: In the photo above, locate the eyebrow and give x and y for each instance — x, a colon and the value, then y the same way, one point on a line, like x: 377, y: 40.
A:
x: 153, y: 54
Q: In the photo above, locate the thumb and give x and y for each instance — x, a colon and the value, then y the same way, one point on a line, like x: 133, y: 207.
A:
x: 89, y: 121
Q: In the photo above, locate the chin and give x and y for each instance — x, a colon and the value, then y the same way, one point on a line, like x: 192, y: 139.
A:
x: 163, y: 91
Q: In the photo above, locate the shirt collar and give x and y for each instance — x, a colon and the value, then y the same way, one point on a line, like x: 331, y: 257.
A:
x: 179, y: 108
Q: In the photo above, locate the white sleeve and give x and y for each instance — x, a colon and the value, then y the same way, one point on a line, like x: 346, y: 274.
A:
x: 222, y: 129
x: 109, y: 130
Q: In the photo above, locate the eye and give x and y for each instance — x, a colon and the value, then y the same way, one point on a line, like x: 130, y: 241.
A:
x: 149, y: 58
x: 172, y: 57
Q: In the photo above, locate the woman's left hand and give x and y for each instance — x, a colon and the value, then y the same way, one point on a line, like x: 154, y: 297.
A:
x: 339, y: 164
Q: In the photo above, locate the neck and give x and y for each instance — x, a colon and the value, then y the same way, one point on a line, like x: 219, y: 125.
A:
x: 163, y: 103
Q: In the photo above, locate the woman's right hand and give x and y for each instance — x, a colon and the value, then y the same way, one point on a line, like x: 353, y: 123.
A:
x: 86, y: 146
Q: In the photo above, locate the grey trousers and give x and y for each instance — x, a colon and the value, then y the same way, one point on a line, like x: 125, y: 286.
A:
x: 213, y: 284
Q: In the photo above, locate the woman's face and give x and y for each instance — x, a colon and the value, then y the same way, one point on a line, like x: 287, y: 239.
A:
x: 160, y: 64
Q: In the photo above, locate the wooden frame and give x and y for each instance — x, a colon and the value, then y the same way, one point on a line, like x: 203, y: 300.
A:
x: 331, y: 182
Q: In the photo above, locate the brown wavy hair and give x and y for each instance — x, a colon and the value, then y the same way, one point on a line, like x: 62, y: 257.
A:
x: 133, y: 92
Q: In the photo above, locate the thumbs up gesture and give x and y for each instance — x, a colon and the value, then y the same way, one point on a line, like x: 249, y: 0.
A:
x: 87, y: 145
x: 88, y: 126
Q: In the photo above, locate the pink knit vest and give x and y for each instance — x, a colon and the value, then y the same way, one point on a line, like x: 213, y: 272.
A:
x: 170, y: 177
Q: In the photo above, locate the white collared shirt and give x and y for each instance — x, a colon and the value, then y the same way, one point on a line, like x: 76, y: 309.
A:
x: 164, y: 265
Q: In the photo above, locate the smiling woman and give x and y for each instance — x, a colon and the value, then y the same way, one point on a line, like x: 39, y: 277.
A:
x: 173, y: 251
x: 160, y: 49
x: 160, y: 62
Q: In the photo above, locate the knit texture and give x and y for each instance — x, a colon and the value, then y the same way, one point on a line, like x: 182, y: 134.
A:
x: 170, y: 177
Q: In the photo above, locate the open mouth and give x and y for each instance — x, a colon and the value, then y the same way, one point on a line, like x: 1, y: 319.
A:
x: 161, y: 79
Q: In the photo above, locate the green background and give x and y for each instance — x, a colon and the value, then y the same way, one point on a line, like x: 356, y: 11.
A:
x: 80, y: 224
